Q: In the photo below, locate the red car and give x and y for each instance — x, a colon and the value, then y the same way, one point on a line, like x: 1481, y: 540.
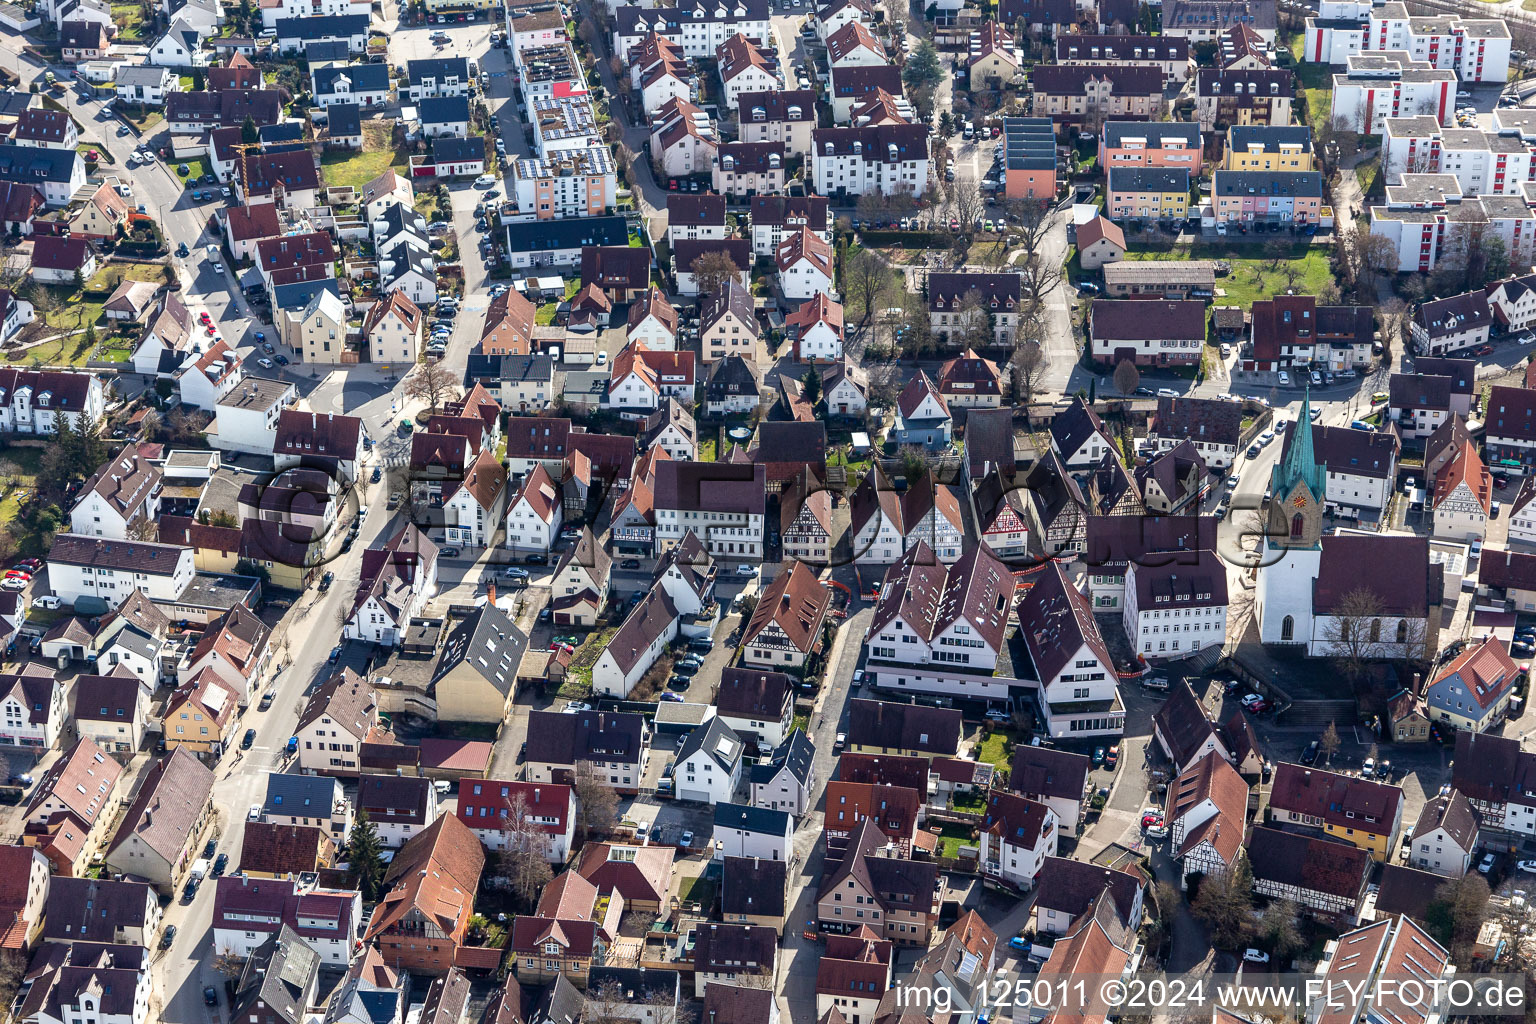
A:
x: 1151, y: 820
x: 1483, y: 350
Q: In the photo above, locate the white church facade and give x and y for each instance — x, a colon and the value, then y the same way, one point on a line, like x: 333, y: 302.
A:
x: 1373, y: 595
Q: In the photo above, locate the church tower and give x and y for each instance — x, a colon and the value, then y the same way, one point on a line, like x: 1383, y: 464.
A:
x: 1292, y: 549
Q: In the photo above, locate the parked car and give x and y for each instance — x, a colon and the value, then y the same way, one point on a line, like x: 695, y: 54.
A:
x: 248, y: 739
x: 1256, y: 956
x: 1486, y: 864
x: 1309, y: 756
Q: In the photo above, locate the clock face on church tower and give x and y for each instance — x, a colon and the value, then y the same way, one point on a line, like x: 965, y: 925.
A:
x: 1299, y: 501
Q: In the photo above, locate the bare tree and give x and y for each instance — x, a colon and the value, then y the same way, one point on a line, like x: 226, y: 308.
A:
x: 1039, y: 274
x: 968, y: 203
x: 1466, y: 902
x: 668, y: 1009
x: 712, y: 270
x: 865, y: 279
x: 1029, y: 371
x: 1225, y: 902
x: 525, y: 860
x: 1328, y: 743
x: 13, y: 967
x: 1127, y: 377
x: 432, y: 383
x: 1354, y: 633
x: 606, y: 1003
x: 598, y: 804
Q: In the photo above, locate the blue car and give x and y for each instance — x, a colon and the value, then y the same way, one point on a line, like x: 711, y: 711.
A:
x: 1017, y: 942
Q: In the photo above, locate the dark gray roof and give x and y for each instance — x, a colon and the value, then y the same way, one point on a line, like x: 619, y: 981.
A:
x: 298, y: 295
x: 281, y: 973
x: 490, y: 643
x: 751, y: 885
x: 364, y: 77
x: 443, y: 109
x: 566, y: 233
x: 733, y: 297
x: 93, y: 909
x: 323, y: 27
x: 438, y: 68
x: 28, y: 164
x: 345, y: 120
x: 717, y: 740
x: 795, y: 754
x: 753, y: 819
x: 1149, y: 179
x: 447, y: 149
x: 304, y: 796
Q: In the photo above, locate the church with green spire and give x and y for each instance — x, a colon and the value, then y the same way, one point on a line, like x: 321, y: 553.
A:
x: 1294, y: 535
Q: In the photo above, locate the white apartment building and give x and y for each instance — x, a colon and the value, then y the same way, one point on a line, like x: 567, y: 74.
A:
x: 887, y: 158
x: 1390, y: 83
x: 1178, y: 609
x: 1474, y: 49
x: 1428, y: 219
x: 1483, y: 163
x: 575, y: 183
x: 700, y: 26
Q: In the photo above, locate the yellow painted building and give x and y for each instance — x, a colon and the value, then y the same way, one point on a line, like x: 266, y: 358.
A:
x: 1260, y: 147
x: 1363, y: 812
x: 1147, y: 193
x: 202, y: 714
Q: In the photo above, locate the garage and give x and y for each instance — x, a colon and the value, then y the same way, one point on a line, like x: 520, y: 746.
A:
x: 698, y: 796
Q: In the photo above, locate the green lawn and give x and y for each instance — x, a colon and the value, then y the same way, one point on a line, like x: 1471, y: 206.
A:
x: 358, y: 169
x: 113, y: 274
x: 952, y: 838
x: 707, y: 450
x: 546, y: 314
x: 1316, y: 84
x: 997, y: 749
x: 1368, y: 174
x: 1251, y: 277
x: 195, y: 168
x: 29, y: 463
x: 696, y: 890
x: 129, y: 19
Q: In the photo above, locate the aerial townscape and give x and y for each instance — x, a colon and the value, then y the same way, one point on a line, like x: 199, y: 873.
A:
x: 766, y: 511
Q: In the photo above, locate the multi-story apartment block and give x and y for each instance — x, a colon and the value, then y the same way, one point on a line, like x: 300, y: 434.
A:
x: 1148, y: 193
x: 889, y: 159
x: 574, y: 183
x: 1171, y: 144
x: 698, y: 25
x: 998, y: 296
x: 1226, y: 97
x: 1473, y: 49
x: 1265, y: 147
x: 1483, y: 163
x: 1074, y: 93
x: 1169, y: 54
x: 1292, y: 198
x: 1389, y: 83
x: 1428, y: 219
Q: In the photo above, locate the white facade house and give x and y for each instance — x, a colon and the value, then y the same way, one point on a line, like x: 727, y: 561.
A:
x: 1474, y: 49
x: 476, y: 509
x: 745, y: 831
x: 1522, y: 513
x: 784, y: 782
x: 33, y: 401
x: 272, y: 10
x: 707, y: 768
x: 32, y: 710
x: 1078, y: 685
x: 1380, y: 85
x: 889, y: 159
x: 701, y: 27
x: 1463, y: 493
x: 805, y: 266
x: 80, y: 567
x: 245, y: 420
x: 1446, y: 835
x: 646, y: 631
x: 535, y: 513
x: 123, y: 494
x: 1017, y: 834
x: 486, y: 804
x: 1176, y: 609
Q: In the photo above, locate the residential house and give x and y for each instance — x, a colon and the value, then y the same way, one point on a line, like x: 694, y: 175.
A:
x: 162, y: 830
x: 743, y: 830
x: 1207, y: 814
x: 399, y: 806
x: 110, y: 710
x: 476, y: 673
x: 900, y: 897
x: 784, y: 781
x: 423, y: 921
x: 1473, y: 689
x: 1361, y: 811
x: 1445, y: 836
x: 616, y: 744
x: 1017, y: 834
x: 504, y: 814
x: 338, y: 718
x: 1324, y: 877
